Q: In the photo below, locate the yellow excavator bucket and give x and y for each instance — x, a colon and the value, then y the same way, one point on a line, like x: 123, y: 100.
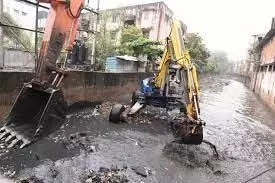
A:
x: 36, y: 113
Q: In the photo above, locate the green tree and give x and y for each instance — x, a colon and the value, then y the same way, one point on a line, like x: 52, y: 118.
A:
x: 211, y: 65
x: 133, y: 43
x: 105, y: 47
x: 197, y: 50
x: 222, y: 61
x: 254, y: 53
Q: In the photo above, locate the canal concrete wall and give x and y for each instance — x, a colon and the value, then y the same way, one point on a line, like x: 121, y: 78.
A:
x: 78, y: 86
x: 242, y: 78
x: 263, y: 84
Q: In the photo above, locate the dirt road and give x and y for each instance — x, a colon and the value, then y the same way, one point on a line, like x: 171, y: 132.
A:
x: 241, y: 127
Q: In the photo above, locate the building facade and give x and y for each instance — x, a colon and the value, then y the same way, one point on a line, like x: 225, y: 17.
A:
x: 154, y: 19
x: 263, y: 79
x: 23, y: 13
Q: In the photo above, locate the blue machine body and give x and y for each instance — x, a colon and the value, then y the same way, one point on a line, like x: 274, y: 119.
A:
x: 146, y: 88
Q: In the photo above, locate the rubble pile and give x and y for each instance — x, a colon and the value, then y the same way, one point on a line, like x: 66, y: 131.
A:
x: 31, y: 179
x: 143, y: 171
x: 146, y: 116
x: 106, y: 175
x: 80, y: 140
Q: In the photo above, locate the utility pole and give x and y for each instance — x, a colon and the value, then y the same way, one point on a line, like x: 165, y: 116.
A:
x: 36, y: 37
x: 94, y: 35
x: 1, y: 37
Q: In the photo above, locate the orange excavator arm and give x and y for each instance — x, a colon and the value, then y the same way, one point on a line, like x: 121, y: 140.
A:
x: 60, y: 30
x: 40, y: 107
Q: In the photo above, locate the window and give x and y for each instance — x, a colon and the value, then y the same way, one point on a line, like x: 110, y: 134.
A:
x: 145, y: 15
x: 113, y: 35
x: 129, y: 22
x: 24, y: 13
x: 114, y: 18
x: 146, y: 33
x: 42, y: 14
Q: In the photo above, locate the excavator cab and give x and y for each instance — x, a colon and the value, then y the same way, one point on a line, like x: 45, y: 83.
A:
x: 36, y: 112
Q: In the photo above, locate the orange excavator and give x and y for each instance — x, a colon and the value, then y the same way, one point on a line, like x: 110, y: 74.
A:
x: 40, y: 107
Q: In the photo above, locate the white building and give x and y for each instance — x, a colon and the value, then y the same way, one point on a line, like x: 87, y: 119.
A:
x: 23, y: 13
x: 154, y: 19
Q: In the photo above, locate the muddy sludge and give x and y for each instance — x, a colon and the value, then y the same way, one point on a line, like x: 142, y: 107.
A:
x: 234, y: 125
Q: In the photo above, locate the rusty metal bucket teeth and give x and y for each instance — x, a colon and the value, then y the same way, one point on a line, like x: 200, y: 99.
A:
x: 35, y: 114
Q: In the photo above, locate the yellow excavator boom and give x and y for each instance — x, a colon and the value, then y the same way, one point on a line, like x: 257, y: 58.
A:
x: 175, y: 52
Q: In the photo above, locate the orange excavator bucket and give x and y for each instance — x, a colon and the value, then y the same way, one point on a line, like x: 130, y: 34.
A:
x: 40, y: 107
x: 36, y: 112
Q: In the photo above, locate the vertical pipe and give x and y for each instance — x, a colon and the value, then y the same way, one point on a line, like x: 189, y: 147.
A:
x: 36, y: 36
x: 160, y: 9
x: 1, y: 37
x: 93, y: 62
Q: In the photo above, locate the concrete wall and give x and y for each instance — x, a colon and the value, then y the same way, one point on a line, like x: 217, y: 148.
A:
x: 100, y: 86
x: 263, y: 84
x: 89, y: 86
x: 18, y: 58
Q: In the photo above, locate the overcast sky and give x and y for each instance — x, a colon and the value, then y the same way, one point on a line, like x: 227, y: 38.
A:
x: 224, y: 24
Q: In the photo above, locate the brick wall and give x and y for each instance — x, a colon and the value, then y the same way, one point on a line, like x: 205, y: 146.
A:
x: 88, y: 86
x: 268, y: 52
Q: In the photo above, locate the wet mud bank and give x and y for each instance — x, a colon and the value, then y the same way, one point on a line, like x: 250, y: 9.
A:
x: 4, y: 109
x: 89, y: 148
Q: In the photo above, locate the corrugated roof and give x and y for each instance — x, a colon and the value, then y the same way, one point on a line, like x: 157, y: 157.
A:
x: 130, y: 58
x: 267, y: 38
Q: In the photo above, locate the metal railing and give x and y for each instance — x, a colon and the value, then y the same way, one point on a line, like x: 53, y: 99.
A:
x: 36, y: 31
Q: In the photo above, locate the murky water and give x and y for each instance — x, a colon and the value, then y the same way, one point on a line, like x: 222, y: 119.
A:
x: 241, y: 127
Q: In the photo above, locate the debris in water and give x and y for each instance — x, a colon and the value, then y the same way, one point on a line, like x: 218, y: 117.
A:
x: 95, y: 112
x: 218, y: 172
x: 9, y: 174
x: 54, y: 172
x: 213, y: 147
x: 92, y: 149
x: 79, y: 140
x: 192, y: 156
x: 36, y: 157
x: 32, y: 179
x: 110, y: 175
x: 143, y: 171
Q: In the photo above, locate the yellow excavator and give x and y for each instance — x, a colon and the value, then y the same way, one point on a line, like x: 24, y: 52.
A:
x: 174, y: 86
